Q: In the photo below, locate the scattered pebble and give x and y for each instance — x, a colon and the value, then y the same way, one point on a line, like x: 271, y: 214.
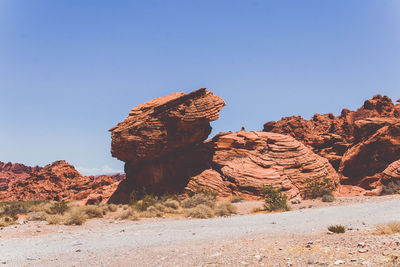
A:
x: 338, y: 262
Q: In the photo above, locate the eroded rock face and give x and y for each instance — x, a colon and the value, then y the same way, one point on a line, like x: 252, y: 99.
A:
x: 245, y: 161
x: 59, y: 181
x: 164, y: 125
x: 12, y: 172
x: 359, y: 144
x: 161, y: 142
x: 392, y: 172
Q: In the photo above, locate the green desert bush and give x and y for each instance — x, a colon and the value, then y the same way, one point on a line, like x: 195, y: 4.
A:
x: 328, y: 198
x: 58, y: 208
x: 274, y: 199
x: 318, y: 187
x: 201, y: 211
x: 391, y: 188
x: 200, y: 198
x: 225, y: 209
x: 388, y: 228
x: 75, y: 217
x: 236, y: 199
x: 337, y: 229
x: 145, y: 202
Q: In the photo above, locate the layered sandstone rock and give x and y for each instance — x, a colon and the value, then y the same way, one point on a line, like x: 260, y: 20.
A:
x: 392, y: 172
x: 161, y: 142
x: 372, y: 155
x: 359, y: 144
x: 12, y: 172
x: 164, y: 125
x: 245, y: 161
x: 59, y: 181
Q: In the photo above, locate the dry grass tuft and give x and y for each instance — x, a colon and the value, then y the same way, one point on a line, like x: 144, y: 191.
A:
x: 225, y: 209
x: 200, y: 211
x: 75, y: 217
x: 172, y: 203
x: 388, y: 228
x: 337, y: 229
x: 93, y: 211
x: 201, y: 198
x: 37, y: 216
x: 6, y: 221
x: 54, y: 219
x: 128, y: 214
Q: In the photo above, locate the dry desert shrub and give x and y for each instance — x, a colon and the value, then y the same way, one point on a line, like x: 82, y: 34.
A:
x: 112, y: 207
x: 151, y: 212
x: 92, y: 211
x: 54, y: 219
x: 6, y: 221
x: 172, y: 203
x: 225, y: 209
x: 337, y: 229
x: 37, y: 216
x: 200, y: 211
x: 393, y: 187
x: 58, y: 208
x: 128, y: 214
x: 75, y: 217
x: 145, y: 202
x: 201, y: 198
x: 328, y: 198
x: 388, y: 228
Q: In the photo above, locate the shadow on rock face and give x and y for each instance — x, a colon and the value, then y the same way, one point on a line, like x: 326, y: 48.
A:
x: 168, y: 174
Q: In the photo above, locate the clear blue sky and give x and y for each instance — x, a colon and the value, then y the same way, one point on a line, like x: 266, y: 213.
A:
x: 70, y: 70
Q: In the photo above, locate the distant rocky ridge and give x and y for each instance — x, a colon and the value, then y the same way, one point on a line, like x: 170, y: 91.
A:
x: 12, y: 172
x: 57, y: 181
x: 359, y: 144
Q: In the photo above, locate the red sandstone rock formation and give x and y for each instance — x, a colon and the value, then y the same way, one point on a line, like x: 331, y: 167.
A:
x: 59, y: 181
x: 245, y: 161
x: 359, y: 143
x: 12, y: 172
x: 162, y: 144
x: 161, y: 141
x: 392, y: 172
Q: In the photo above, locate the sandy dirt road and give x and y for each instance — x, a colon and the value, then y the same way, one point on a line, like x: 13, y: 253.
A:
x: 234, y: 241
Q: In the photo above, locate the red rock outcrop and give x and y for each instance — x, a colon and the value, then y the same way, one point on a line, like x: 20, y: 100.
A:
x: 161, y: 142
x: 245, y: 161
x: 59, y: 181
x: 12, y: 172
x: 392, y: 172
x: 359, y: 144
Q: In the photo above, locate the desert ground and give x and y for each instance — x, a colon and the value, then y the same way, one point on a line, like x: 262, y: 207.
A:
x: 295, y: 238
